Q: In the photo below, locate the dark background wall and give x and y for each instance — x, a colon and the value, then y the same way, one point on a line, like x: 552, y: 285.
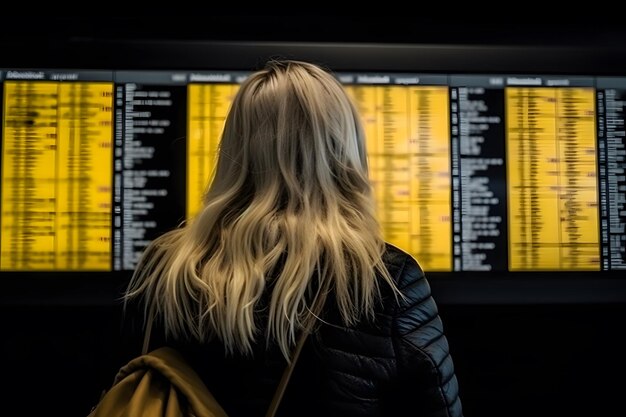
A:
x: 467, y: 25
x: 512, y: 359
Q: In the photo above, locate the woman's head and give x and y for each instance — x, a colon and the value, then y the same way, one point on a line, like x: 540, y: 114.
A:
x: 291, y: 126
x: 290, y: 208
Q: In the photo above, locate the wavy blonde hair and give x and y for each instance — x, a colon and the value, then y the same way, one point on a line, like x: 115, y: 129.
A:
x: 290, y: 207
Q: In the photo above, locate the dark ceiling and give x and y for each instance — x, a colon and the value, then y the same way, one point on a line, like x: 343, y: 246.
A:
x: 458, y: 29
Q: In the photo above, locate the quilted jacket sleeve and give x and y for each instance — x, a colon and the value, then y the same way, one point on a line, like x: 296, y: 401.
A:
x: 424, y: 363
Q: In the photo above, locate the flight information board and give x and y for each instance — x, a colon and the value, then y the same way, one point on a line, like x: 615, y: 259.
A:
x: 56, y: 175
x: 470, y: 172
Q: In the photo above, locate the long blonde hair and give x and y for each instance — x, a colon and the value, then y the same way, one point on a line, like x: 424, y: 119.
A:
x: 290, y: 207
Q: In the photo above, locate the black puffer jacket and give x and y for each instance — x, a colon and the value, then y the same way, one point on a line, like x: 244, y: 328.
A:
x: 397, y: 366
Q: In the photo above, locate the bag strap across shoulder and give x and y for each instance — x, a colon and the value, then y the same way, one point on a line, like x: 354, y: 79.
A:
x: 310, y: 321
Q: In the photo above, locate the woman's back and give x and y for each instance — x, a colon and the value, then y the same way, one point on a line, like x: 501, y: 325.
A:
x: 399, y: 363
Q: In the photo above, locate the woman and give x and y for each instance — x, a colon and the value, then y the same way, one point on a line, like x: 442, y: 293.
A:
x: 290, y: 214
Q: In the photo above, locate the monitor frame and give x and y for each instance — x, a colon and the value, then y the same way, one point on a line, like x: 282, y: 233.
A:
x: 85, y: 53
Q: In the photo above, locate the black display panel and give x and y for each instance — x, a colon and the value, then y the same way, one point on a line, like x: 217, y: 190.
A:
x: 481, y: 175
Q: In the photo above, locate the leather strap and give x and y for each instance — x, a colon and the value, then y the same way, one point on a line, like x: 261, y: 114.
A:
x: 282, y: 386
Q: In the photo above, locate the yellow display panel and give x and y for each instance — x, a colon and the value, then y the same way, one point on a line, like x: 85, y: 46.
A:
x: 408, y: 140
x: 56, y: 176
x: 552, y: 179
x: 207, y: 107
